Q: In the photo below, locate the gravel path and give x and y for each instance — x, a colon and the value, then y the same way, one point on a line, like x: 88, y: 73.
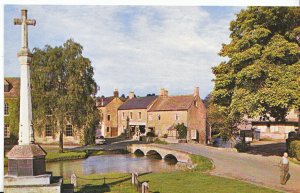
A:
x: 257, y: 169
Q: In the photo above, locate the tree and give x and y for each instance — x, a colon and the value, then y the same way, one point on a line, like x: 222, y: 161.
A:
x: 63, y: 87
x: 182, y: 130
x: 261, y: 75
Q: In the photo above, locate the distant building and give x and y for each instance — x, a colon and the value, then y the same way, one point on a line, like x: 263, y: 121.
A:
x: 132, y: 115
x: 168, y: 111
x: 108, y: 108
x: 11, y: 109
x: 268, y: 127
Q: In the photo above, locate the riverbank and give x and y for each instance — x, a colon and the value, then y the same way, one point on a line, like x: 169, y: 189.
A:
x: 53, y: 154
x: 196, y: 180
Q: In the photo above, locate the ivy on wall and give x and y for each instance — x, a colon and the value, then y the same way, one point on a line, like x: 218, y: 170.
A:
x: 12, y: 119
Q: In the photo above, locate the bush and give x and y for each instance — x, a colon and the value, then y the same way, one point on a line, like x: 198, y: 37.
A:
x: 294, y: 148
x: 150, y: 134
x: 182, y: 130
x: 165, y: 135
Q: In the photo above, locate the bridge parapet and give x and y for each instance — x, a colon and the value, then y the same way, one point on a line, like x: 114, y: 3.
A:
x: 181, y: 156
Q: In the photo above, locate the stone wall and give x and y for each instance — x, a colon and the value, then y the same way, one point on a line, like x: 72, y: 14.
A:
x: 122, y: 118
x: 167, y: 119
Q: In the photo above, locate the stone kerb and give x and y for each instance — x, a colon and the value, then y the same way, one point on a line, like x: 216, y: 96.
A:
x: 181, y: 156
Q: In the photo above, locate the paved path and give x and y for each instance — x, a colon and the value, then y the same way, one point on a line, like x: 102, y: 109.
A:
x: 257, y: 169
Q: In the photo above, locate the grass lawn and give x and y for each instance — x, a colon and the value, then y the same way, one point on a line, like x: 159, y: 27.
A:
x: 191, y: 181
x: 67, y: 155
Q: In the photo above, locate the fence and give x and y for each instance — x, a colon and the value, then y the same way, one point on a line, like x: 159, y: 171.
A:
x: 141, y: 187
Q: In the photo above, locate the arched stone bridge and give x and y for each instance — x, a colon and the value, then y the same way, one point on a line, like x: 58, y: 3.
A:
x: 163, y: 152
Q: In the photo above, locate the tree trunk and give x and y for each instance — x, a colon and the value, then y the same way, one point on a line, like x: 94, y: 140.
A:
x: 61, y: 139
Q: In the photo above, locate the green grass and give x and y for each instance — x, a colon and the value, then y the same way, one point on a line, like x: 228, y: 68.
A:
x: 202, y: 164
x: 158, y: 141
x: 68, y: 155
x: 191, y: 181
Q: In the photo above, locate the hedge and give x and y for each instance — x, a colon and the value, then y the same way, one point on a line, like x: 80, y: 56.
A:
x: 293, y: 147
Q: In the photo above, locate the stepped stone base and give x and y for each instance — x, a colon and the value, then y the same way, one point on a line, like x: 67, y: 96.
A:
x: 33, y: 184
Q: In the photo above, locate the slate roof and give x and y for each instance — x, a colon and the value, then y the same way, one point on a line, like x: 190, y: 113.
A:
x: 138, y: 103
x: 14, y: 86
x: 172, y: 103
x: 105, y: 100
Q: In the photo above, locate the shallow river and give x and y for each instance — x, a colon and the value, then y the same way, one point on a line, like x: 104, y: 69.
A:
x: 124, y: 163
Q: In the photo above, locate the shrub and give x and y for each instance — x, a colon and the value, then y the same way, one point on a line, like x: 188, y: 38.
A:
x: 182, y: 130
x: 150, y: 134
x: 294, y: 148
x: 165, y: 135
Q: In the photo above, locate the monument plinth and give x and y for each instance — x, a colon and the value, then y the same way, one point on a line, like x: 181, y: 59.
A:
x: 26, y: 161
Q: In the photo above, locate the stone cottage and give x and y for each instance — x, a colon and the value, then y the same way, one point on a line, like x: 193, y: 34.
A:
x: 168, y: 111
x: 132, y: 115
x: 108, y: 109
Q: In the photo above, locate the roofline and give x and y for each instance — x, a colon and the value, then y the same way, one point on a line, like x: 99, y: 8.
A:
x: 169, y: 110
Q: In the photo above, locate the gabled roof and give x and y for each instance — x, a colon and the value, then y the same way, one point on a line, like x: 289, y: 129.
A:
x: 172, y: 103
x: 14, y: 84
x: 103, y: 101
x: 138, y: 103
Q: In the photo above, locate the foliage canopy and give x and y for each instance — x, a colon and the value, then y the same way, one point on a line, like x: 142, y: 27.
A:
x: 262, y: 73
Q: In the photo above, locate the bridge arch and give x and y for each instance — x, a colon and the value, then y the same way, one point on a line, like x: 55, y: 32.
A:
x: 154, y: 154
x: 170, y: 158
x: 139, y: 152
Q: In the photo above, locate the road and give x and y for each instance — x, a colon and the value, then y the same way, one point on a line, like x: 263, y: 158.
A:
x: 257, y: 169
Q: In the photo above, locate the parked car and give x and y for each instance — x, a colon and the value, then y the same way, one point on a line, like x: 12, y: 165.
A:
x: 100, y: 140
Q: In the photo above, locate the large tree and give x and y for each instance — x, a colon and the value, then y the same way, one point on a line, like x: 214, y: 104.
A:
x: 262, y: 73
x: 63, y: 90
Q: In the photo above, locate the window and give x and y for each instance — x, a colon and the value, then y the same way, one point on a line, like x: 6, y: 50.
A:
x: 158, y: 117
x: 69, y: 130
x: 108, y: 117
x: 107, y: 129
x: 6, y: 88
x: 48, y: 131
x: 130, y: 115
x: 140, y: 115
x: 123, y: 115
x: 176, y: 117
x: 195, y: 103
x: 5, y: 109
x: 6, y: 131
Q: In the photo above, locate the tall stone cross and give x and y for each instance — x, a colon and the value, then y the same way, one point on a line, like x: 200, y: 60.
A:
x: 26, y: 135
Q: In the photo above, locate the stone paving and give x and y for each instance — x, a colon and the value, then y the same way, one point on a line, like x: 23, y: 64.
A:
x: 258, y: 169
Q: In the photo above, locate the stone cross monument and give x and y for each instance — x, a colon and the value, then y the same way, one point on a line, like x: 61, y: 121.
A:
x: 25, y: 130
x: 26, y: 161
x: 26, y: 158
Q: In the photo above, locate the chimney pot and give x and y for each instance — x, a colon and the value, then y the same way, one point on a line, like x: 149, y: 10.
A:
x: 116, y: 93
x: 131, y: 95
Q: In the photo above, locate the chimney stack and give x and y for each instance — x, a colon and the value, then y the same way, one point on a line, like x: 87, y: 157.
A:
x: 102, y: 102
x: 131, y: 95
x: 163, y: 92
x: 196, y: 92
x: 116, y: 93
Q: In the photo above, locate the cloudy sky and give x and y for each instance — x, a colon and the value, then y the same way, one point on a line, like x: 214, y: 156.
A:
x: 132, y: 48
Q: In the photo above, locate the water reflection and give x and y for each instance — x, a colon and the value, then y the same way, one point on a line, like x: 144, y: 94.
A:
x: 109, y: 163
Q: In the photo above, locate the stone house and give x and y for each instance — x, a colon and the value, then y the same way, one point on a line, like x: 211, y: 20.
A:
x: 108, y: 108
x: 132, y: 115
x: 168, y: 111
x: 268, y: 127
x: 11, y: 109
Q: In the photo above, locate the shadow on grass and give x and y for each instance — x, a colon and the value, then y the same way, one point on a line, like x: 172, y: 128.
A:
x: 92, y: 188
x: 273, y: 149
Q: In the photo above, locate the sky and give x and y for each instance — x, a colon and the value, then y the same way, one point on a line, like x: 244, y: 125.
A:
x: 132, y: 48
